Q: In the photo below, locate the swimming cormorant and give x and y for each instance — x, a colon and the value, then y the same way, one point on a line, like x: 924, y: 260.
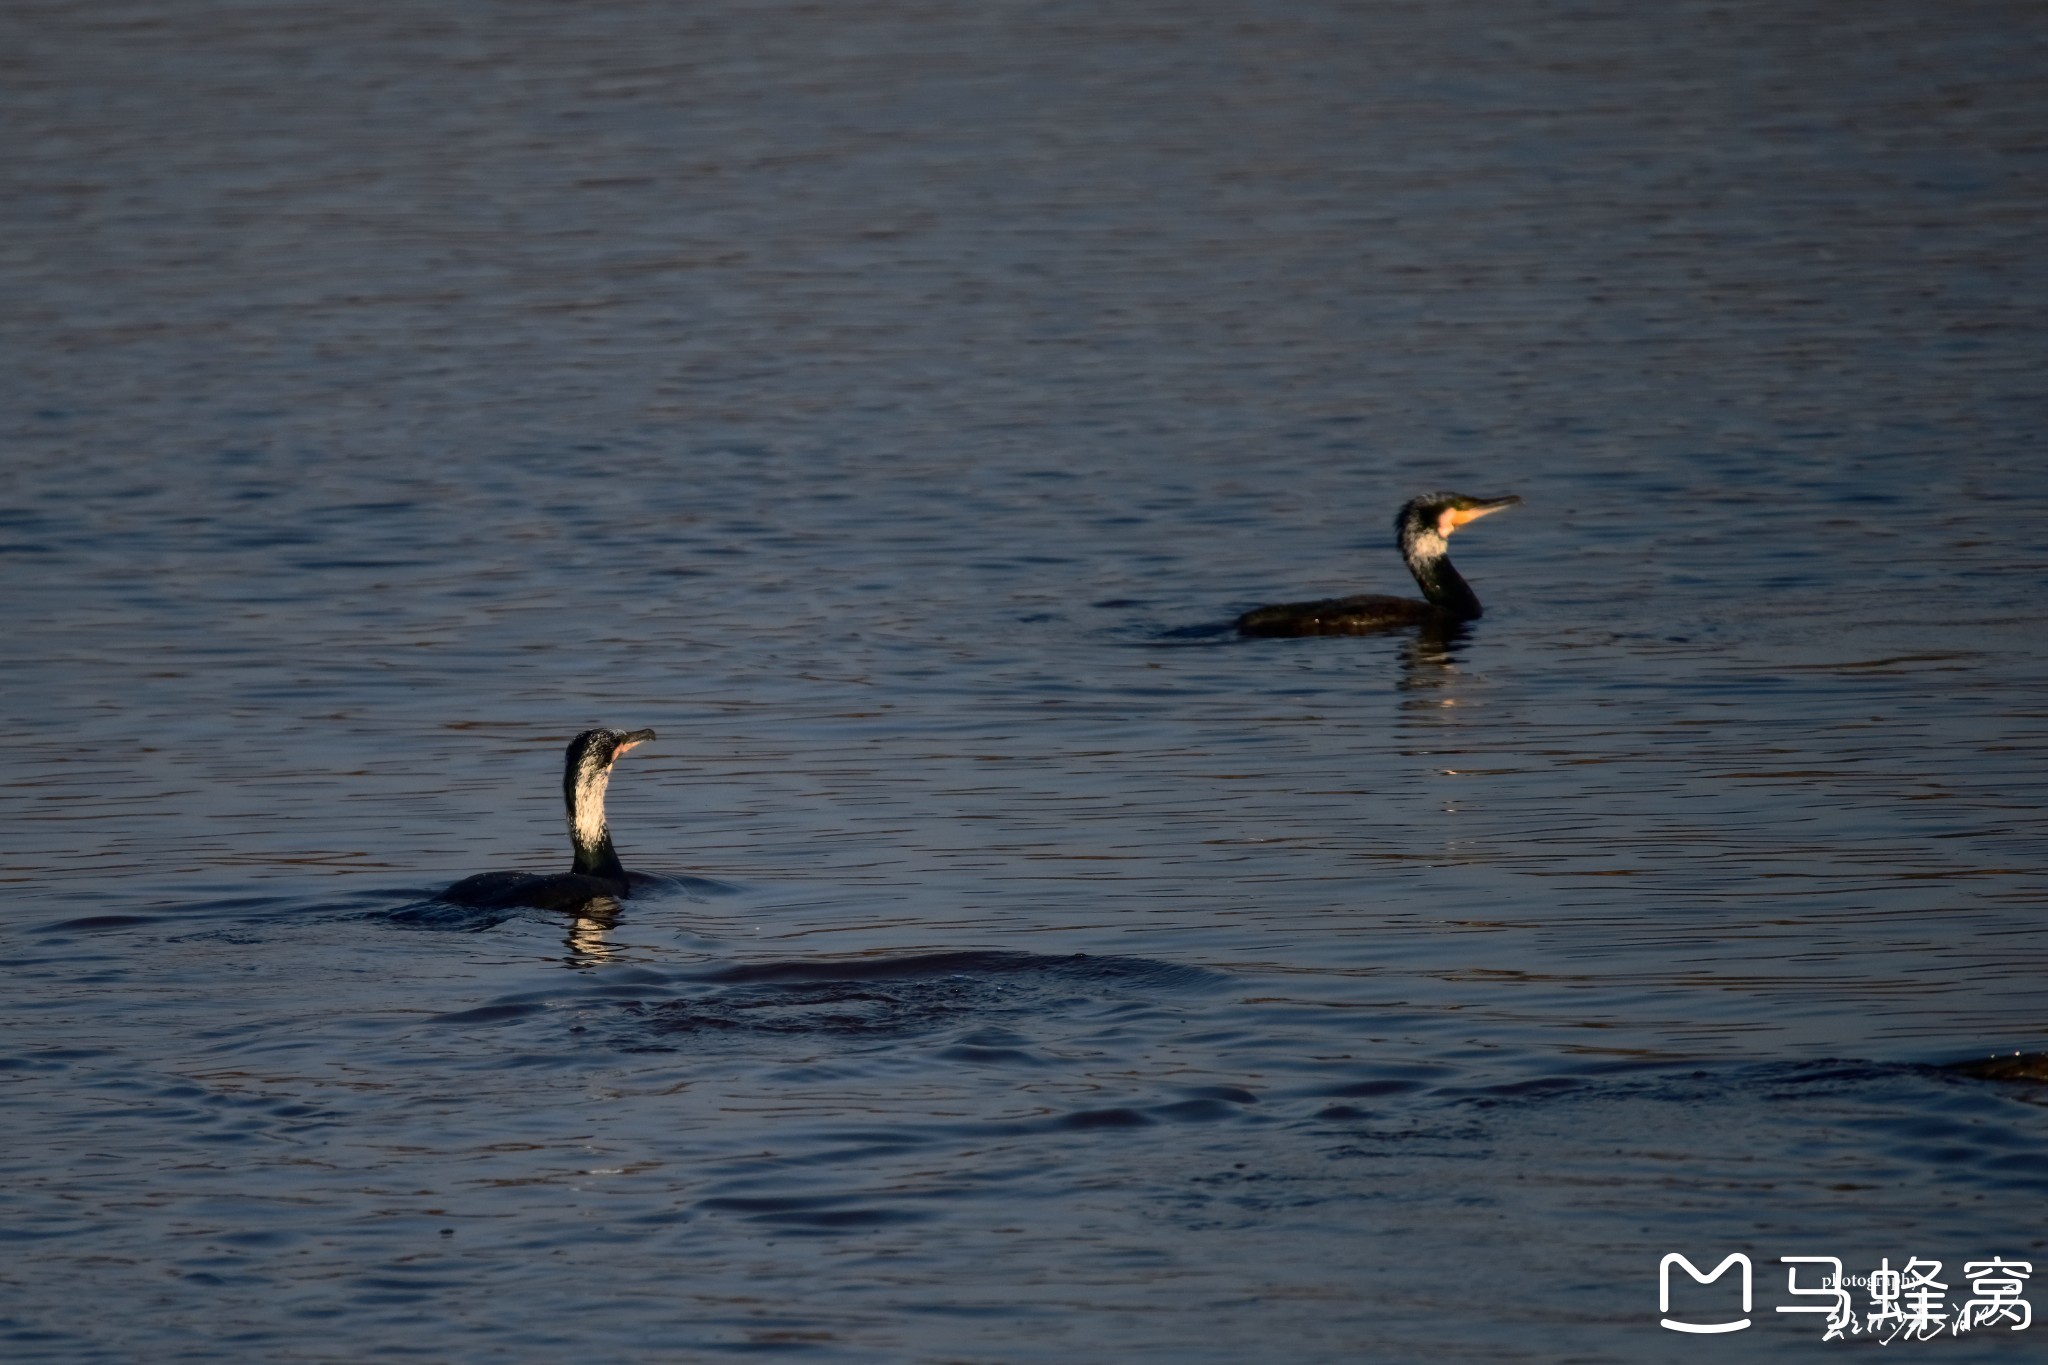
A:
x: 1422, y: 529
x: 597, y: 872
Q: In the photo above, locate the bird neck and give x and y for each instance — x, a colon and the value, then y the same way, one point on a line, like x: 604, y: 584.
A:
x: 599, y: 859
x: 588, y: 832
x: 1442, y: 584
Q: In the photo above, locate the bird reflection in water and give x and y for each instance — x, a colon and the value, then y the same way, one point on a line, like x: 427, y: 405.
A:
x: 1429, y: 663
x: 588, y: 924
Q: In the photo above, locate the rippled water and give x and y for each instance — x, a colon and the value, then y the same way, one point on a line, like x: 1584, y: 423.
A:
x: 886, y: 404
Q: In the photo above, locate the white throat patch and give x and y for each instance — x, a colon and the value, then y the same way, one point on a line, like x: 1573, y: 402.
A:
x: 1427, y: 544
x: 586, y: 822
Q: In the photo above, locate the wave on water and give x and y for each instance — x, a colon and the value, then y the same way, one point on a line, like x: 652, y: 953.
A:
x: 870, y: 997
x: 898, y: 995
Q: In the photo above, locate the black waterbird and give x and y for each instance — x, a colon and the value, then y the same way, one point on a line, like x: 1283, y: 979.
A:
x: 1423, y: 530
x: 597, y: 872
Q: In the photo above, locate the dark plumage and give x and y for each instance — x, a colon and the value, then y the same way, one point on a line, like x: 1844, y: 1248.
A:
x: 1422, y: 529
x: 586, y: 774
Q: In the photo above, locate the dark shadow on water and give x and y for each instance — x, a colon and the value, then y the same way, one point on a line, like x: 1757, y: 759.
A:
x: 887, y: 996
x: 92, y: 924
x: 1789, y: 1083
x: 1074, y: 967
x: 425, y: 910
x: 2020, y: 1067
x: 1425, y: 651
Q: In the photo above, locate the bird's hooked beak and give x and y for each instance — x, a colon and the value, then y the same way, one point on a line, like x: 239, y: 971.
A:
x: 1454, y: 517
x: 631, y: 738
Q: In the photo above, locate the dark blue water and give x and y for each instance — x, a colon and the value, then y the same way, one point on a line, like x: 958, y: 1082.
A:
x: 886, y: 404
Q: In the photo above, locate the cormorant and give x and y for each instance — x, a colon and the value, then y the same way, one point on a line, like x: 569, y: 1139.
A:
x: 1422, y: 529
x: 597, y: 872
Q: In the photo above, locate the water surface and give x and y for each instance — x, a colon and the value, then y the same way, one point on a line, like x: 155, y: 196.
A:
x: 885, y: 404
